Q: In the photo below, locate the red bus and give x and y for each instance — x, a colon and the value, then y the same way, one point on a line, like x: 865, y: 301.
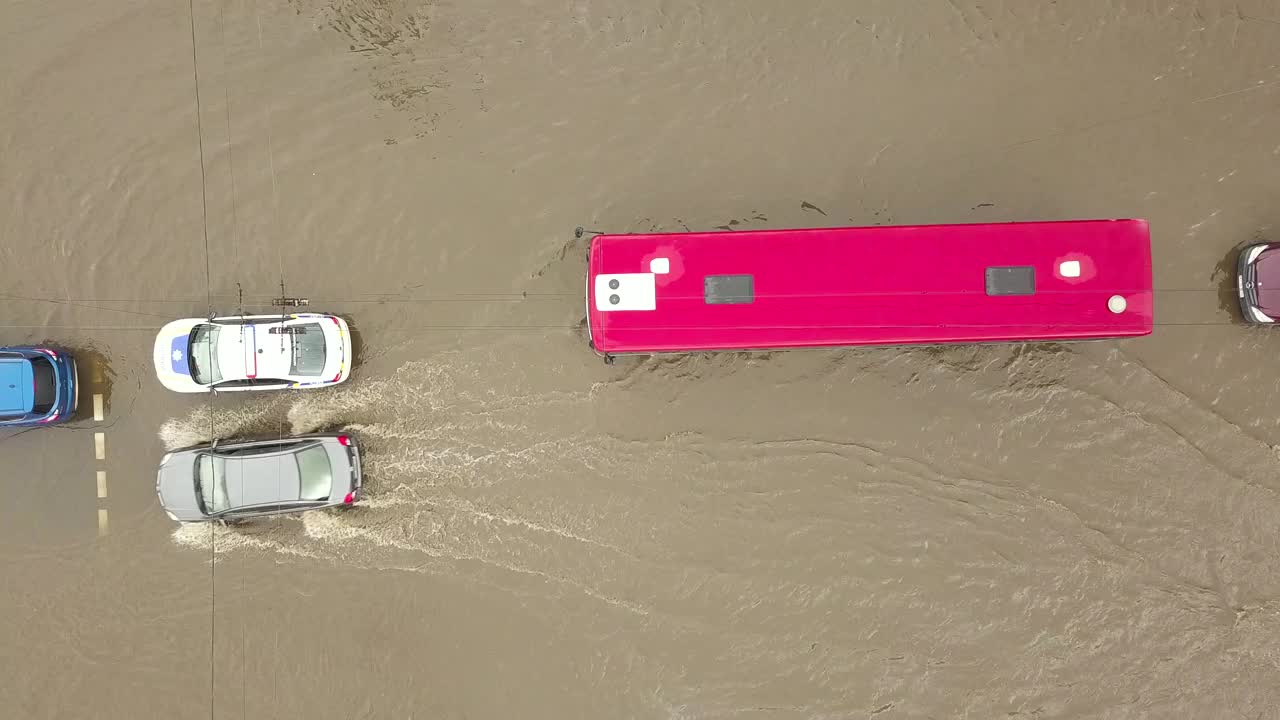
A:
x: 888, y: 285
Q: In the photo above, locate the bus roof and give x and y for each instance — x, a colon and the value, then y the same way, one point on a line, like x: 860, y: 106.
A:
x: 821, y: 287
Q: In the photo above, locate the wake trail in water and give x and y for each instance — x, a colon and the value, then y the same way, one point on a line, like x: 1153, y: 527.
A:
x: 445, y: 468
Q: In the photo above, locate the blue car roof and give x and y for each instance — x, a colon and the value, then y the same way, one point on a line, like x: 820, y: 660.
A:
x: 17, y: 389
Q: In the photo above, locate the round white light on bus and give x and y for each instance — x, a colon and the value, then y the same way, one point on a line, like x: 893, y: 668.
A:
x: 1117, y: 304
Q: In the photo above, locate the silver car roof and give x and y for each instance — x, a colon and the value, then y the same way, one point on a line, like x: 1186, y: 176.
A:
x: 261, y: 479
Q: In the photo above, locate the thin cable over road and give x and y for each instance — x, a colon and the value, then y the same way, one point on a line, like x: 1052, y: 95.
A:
x: 208, y: 276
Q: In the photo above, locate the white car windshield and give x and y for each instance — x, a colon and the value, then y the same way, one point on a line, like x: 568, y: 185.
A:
x: 308, y: 350
x: 203, y: 353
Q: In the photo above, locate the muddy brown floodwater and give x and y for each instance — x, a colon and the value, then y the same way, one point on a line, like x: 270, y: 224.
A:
x: 1050, y: 531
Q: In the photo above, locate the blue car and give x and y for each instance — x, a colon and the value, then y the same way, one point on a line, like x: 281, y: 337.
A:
x: 38, y: 386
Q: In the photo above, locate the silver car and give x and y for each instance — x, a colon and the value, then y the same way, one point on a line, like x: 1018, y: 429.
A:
x: 237, y: 480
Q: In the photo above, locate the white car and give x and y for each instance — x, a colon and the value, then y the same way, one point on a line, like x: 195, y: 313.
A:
x: 253, y: 352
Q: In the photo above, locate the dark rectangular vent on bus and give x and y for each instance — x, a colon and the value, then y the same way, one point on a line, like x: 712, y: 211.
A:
x: 729, y: 289
x: 1011, y: 280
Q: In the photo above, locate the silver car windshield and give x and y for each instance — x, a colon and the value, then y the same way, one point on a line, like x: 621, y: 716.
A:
x: 211, y: 482
x: 203, y: 354
x: 315, y: 473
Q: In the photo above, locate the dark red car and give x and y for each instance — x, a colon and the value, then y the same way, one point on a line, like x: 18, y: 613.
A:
x: 1258, y: 283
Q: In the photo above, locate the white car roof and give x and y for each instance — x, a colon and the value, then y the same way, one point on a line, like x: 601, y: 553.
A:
x: 257, y: 349
x: 248, y: 351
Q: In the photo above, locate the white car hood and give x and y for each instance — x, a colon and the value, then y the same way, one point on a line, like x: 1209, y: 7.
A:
x: 170, y: 356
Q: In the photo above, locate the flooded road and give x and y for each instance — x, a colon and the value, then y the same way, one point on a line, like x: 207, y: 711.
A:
x: 1043, y: 531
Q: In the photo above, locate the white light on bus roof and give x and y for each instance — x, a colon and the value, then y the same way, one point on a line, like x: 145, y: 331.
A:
x: 660, y: 266
x: 1069, y: 269
x: 1117, y: 304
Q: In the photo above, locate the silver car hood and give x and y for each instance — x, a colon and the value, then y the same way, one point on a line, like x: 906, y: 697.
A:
x: 176, y: 487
